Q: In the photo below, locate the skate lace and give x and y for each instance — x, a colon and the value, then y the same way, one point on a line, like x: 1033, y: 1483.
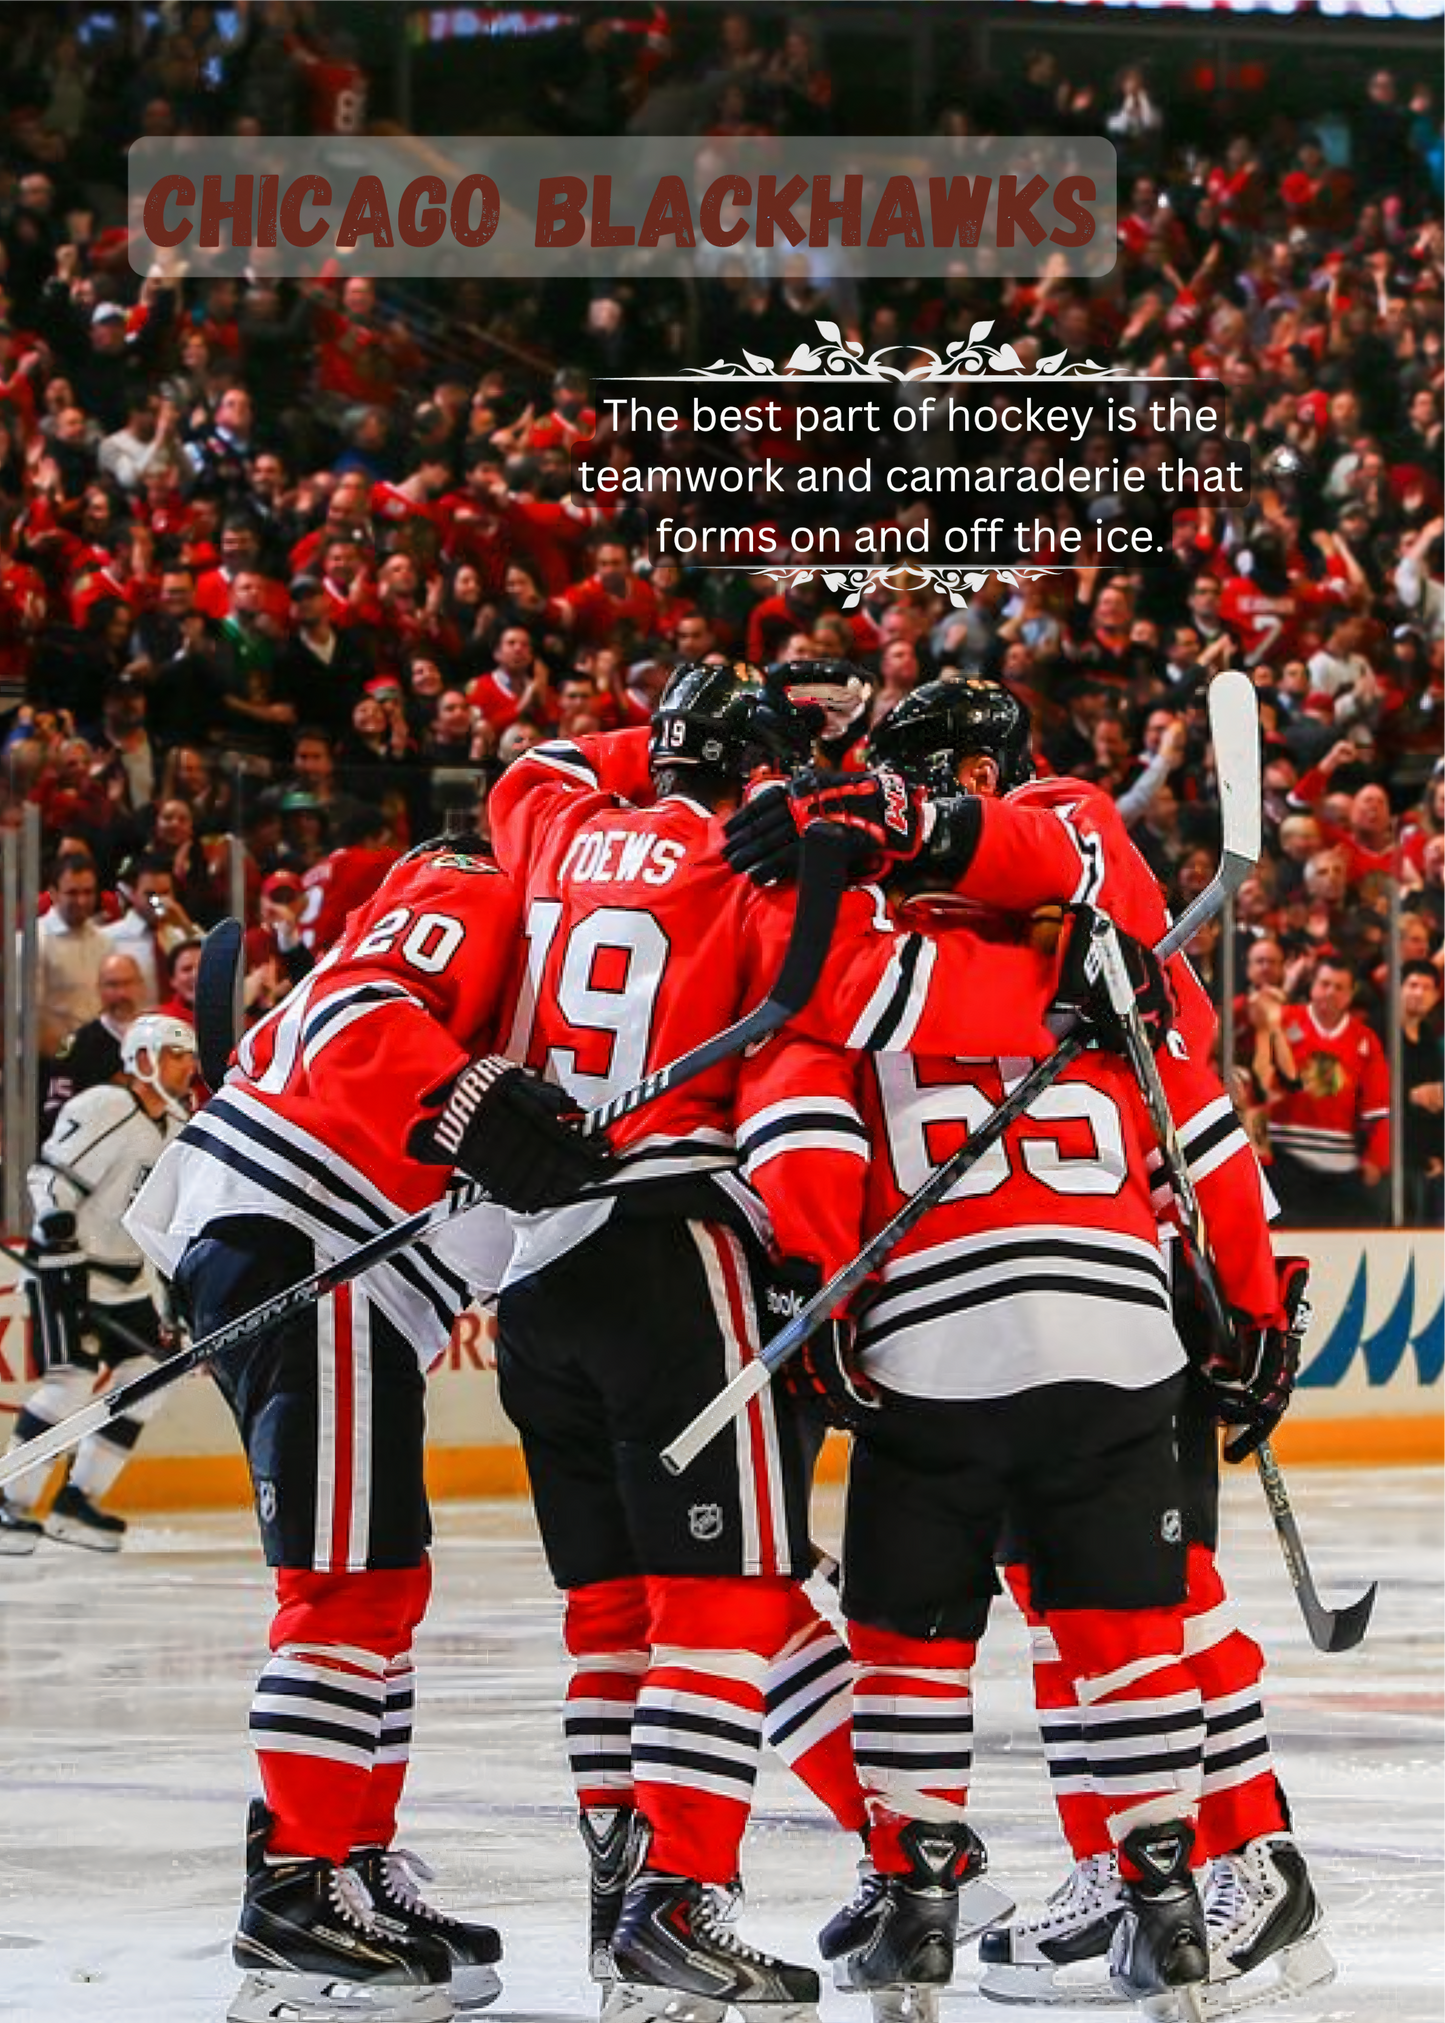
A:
x: 1228, y: 1898
x: 1087, y: 1888
x: 351, y: 1899
x: 710, y: 1923
x: 402, y: 1871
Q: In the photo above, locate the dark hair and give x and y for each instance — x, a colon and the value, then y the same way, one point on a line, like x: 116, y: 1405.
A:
x: 360, y: 823
x: 1419, y: 967
x: 1330, y: 958
x: 74, y: 863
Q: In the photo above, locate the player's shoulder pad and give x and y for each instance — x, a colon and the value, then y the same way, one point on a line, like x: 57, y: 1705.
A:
x: 106, y: 1103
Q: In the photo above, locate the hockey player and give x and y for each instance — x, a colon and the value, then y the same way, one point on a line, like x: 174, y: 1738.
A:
x: 1062, y: 837
x: 345, y: 1110
x: 91, y: 1297
x: 620, y: 1317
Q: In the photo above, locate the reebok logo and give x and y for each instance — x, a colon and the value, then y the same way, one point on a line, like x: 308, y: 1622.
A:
x: 785, y: 1305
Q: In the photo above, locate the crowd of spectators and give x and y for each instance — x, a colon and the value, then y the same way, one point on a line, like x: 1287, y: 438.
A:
x: 275, y: 560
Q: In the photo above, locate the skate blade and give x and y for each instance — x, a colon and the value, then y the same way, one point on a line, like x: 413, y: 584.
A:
x: 1041, y: 1986
x: 1174, y: 2005
x: 1297, y: 1969
x: 474, y: 1988
x: 981, y: 1903
x: 318, y: 1998
x: 635, y: 2001
x: 66, y: 1533
x: 905, y: 2005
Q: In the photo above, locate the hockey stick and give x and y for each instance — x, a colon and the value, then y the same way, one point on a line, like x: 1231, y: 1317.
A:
x: 215, y: 1006
x: 1329, y: 1629
x: 825, y: 871
x: 1234, y: 728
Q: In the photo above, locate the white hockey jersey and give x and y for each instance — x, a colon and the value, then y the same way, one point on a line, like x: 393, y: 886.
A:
x: 93, y: 1164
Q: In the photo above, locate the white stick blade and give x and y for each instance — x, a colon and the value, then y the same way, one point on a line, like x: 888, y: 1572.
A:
x: 1234, y: 731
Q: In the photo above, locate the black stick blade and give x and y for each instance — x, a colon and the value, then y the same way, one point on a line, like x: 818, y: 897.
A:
x: 221, y: 955
x: 1342, y: 1629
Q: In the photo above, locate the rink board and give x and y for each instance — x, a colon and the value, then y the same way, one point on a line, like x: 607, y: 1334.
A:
x: 1370, y: 1391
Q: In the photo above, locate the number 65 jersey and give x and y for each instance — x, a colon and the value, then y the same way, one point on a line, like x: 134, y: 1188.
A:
x: 311, y: 1124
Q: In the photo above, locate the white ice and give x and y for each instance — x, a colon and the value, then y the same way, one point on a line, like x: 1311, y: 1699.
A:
x: 126, y: 1681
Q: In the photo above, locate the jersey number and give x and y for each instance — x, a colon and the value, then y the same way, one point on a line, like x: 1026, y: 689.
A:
x: 912, y: 1109
x: 432, y: 939
x: 606, y: 983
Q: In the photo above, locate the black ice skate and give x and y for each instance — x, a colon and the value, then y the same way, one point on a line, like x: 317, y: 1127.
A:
x: 391, y: 1876
x: 1262, y: 1920
x: 19, y: 1532
x: 1059, y: 1953
x: 676, y: 1955
x: 75, y: 1520
x: 895, y: 1939
x: 315, y: 1950
x: 607, y: 1835
x: 1159, y: 1955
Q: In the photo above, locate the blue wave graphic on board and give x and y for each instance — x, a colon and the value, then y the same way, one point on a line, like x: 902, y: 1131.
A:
x: 1385, y: 1350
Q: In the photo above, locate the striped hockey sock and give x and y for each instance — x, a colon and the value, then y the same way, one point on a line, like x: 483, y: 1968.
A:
x: 912, y: 1734
x: 808, y: 1715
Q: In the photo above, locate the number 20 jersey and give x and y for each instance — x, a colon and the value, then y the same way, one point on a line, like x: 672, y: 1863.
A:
x: 311, y: 1124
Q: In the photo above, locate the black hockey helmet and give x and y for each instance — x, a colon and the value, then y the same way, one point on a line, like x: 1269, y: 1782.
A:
x: 705, y: 717
x: 941, y: 722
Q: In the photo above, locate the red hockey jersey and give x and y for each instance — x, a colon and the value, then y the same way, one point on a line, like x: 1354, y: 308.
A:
x: 1065, y: 839
x: 311, y: 1123
x: 642, y: 944
x: 1340, y: 1112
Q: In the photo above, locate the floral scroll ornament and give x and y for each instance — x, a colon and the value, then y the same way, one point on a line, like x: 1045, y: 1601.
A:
x: 837, y: 358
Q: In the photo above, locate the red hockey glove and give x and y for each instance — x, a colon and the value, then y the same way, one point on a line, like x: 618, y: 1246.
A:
x: 1082, y: 993
x: 1253, y: 1380
x: 887, y: 819
x: 824, y: 1375
x: 512, y: 1133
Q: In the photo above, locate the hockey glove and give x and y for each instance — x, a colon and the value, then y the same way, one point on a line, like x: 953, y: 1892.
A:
x: 1083, y: 994
x: 825, y: 1375
x: 886, y: 818
x: 512, y: 1133
x: 1253, y: 1379
x: 57, y: 1291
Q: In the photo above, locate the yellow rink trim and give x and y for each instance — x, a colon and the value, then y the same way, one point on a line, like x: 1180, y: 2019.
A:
x: 219, y: 1481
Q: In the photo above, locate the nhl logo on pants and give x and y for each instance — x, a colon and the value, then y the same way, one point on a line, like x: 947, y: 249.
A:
x: 1171, y: 1527
x: 705, y: 1521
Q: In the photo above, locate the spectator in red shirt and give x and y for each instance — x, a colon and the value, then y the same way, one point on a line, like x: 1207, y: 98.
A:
x: 517, y: 682
x: 611, y: 599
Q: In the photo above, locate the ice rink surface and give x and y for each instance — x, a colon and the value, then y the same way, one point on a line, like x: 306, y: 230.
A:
x: 126, y: 1683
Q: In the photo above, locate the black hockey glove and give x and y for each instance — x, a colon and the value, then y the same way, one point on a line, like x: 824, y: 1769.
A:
x: 761, y: 840
x: 824, y: 1375
x: 512, y: 1133
x: 57, y: 1291
x: 1082, y: 992
x: 1253, y: 1379
x: 886, y: 819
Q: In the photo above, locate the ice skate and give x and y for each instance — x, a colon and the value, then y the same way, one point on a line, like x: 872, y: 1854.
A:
x: 895, y: 1939
x: 75, y: 1520
x: 1262, y: 1919
x: 1059, y: 1953
x: 607, y: 1835
x: 315, y: 1950
x: 1159, y: 1955
x: 391, y: 1876
x: 19, y: 1532
x: 676, y: 1956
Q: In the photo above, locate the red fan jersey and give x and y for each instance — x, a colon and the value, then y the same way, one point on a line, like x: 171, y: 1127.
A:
x: 1267, y: 625
x: 312, y: 1122
x: 642, y: 944
x: 1342, y: 1101
x: 336, y: 886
